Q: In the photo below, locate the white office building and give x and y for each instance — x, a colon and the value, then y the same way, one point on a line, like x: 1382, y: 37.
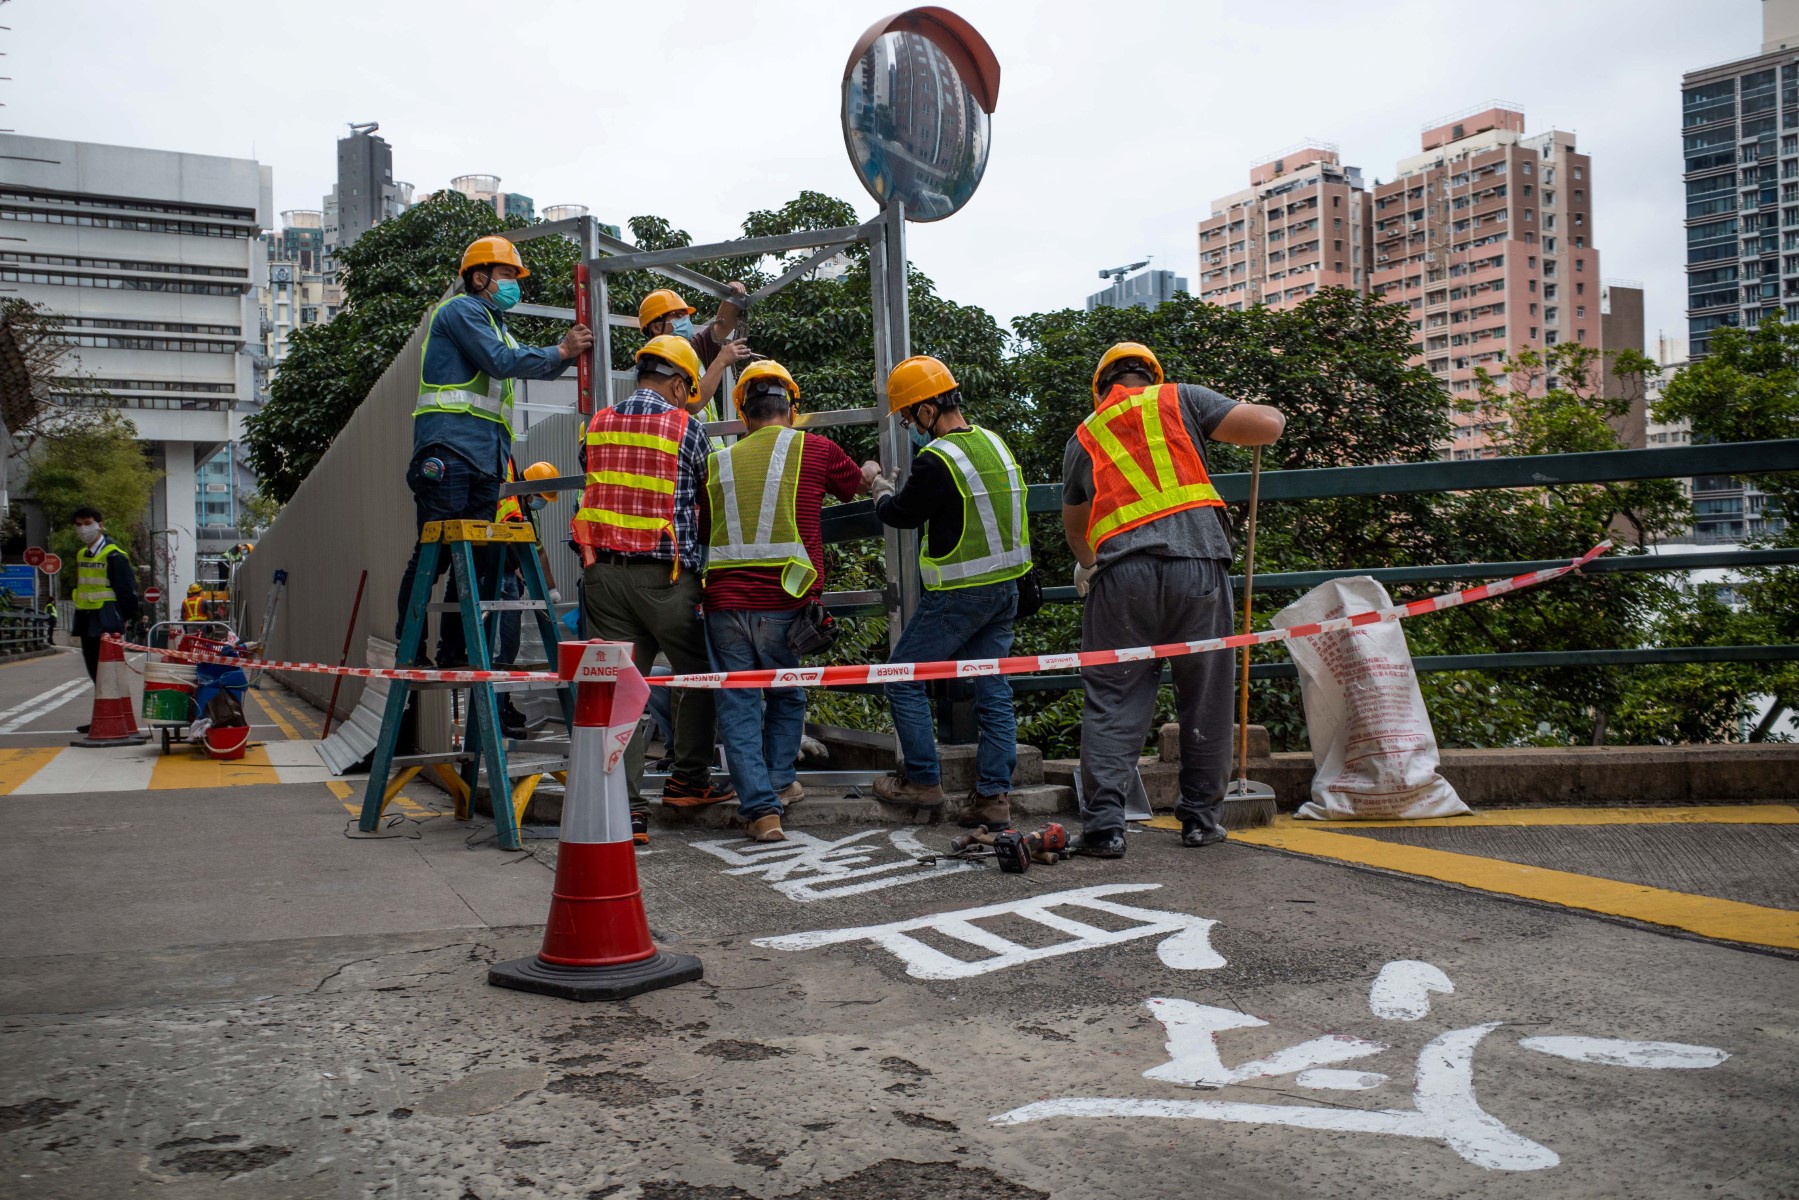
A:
x: 152, y: 260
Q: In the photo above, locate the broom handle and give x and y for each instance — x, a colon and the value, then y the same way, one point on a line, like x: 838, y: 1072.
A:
x: 1249, y: 577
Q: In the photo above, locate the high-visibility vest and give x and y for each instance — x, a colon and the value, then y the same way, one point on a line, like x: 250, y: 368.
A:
x: 92, y: 588
x: 996, y: 541
x: 1145, y: 465
x: 632, y: 463
x: 510, y: 509
x: 482, y: 396
x: 759, y: 479
x: 193, y: 609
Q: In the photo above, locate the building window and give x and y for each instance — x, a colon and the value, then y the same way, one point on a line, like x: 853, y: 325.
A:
x: 1533, y: 330
x: 1527, y: 171
x: 1580, y: 312
x: 1579, y: 173
x: 1580, y: 264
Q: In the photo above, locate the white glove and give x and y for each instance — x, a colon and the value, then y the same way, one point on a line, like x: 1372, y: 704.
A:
x: 555, y: 596
x: 880, y: 486
x: 1083, y: 579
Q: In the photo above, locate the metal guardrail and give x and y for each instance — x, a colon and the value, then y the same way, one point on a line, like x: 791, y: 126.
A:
x: 24, y: 633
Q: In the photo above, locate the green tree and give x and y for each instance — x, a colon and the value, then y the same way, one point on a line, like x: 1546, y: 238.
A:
x: 93, y: 457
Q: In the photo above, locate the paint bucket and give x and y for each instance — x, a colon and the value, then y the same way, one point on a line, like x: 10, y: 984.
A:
x: 168, y: 692
x: 227, y: 742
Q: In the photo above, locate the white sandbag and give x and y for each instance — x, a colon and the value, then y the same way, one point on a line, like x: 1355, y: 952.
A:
x: 1373, y: 752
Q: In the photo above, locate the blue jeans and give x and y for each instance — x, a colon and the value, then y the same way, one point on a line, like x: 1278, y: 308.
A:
x: 507, y: 628
x: 459, y: 493
x: 760, y: 727
x: 971, y: 622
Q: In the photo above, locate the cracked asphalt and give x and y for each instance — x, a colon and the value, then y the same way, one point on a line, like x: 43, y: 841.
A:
x: 217, y: 994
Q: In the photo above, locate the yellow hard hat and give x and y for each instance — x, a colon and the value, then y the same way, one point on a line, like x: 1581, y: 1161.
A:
x: 193, y: 589
x: 916, y: 380
x: 1121, y: 351
x: 766, y: 368
x: 659, y: 304
x: 492, y: 250
x: 542, y: 470
x: 676, y: 352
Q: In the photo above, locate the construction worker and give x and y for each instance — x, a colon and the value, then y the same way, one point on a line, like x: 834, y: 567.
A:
x: 462, y: 427
x: 966, y: 487
x: 194, y: 607
x: 642, y: 554
x: 664, y: 312
x: 764, y: 573
x: 508, y: 626
x: 1153, y: 562
x: 105, y: 588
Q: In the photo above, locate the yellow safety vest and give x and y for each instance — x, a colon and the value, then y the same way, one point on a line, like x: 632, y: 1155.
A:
x: 760, y: 475
x: 996, y: 542
x: 92, y: 588
x: 484, y: 397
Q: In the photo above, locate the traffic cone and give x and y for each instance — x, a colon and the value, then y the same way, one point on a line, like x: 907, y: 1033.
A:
x: 596, y: 945
x: 112, y: 723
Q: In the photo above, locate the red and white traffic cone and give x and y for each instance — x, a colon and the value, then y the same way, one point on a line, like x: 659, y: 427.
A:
x: 597, y: 945
x: 112, y: 723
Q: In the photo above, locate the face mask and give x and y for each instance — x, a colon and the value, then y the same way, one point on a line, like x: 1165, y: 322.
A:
x: 536, y: 503
x: 683, y: 327
x: 505, y: 294
x: 88, y: 533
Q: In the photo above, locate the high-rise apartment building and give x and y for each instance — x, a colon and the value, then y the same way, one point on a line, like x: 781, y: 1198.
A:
x: 151, y: 261
x: 1147, y: 289
x: 1487, y: 236
x: 1302, y: 224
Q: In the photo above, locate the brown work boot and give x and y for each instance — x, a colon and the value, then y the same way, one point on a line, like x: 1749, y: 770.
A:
x: 767, y: 829
x: 995, y: 812
x: 891, y: 789
x: 791, y: 795
x: 683, y: 793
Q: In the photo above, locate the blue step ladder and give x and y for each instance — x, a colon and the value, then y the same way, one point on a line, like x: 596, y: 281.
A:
x: 484, y: 743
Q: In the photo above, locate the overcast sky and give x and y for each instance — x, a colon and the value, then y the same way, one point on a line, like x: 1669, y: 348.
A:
x: 1117, y: 124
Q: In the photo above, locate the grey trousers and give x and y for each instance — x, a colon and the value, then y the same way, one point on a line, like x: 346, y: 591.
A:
x: 1143, y: 600
x: 640, y: 604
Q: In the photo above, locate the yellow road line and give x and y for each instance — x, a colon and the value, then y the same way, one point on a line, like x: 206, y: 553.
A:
x: 187, y: 768
x: 406, y: 804
x: 1509, y: 818
x: 278, y: 717
x: 16, y: 766
x: 1707, y: 916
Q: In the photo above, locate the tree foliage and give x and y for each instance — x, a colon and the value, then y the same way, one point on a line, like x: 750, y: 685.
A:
x: 93, y: 457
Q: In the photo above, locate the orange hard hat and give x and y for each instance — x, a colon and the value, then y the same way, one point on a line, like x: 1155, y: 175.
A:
x: 916, y: 380
x: 676, y: 352
x: 659, y: 304
x: 1119, y: 353
x: 542, y: 470
x: 766, y: 368
x: 489, y: 251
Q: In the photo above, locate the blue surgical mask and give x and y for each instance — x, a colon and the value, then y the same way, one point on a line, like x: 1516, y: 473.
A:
x: 683, y: 327
x: 535, y: 503
x: 920, y: 438
x: 505, y: 294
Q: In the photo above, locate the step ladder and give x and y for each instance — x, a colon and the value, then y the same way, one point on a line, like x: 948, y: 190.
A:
x: 484, y: 743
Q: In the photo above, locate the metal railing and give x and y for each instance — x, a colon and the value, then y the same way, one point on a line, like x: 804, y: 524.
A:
x: 26, y: 633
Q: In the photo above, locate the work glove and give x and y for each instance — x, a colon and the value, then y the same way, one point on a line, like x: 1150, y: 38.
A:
x: 1083, y: 579
x: 880, y: 486
x: 555, y: 596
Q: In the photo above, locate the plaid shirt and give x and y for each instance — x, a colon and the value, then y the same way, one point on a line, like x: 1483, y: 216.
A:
x: 690, y: 477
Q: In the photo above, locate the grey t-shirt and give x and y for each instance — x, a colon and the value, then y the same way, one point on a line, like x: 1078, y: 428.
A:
x: 1190, y: 533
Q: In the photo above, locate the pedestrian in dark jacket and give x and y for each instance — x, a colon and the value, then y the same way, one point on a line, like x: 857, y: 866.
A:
x: 105, y: 587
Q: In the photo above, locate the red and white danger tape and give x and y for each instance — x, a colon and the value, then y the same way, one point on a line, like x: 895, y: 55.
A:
x: 956, y: 669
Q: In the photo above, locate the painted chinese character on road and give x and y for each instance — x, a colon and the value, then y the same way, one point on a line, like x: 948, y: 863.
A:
x: 807, y: 868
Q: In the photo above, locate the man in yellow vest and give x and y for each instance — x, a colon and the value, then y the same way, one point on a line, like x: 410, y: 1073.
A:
x: 194, y: 607
x: 1153, y: 563
x: 762, y: 511
x: 105, y: 588
x: 462, y: 426
x: 664, y: 312
x: 967, y: 489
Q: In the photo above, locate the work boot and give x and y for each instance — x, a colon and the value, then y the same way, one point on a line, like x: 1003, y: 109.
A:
x: 1201, y: 833
x: 640, y: 827
x: 1101, y: 845
x: 512, y: 721
x: 684, y: 793
x: 767, y: 828
x: 995, y: 812
x: 891, y: 789
x: 790, y: 795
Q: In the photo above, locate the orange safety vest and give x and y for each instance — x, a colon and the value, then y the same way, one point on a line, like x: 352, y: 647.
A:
x: 510, y: 509
x: 632, y: 462
x: 193, y: 609
x: 1145, y: 465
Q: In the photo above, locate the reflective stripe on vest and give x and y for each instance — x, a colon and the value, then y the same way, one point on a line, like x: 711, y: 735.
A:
x: 509, y: 509
x: 1139, y: 427
x: 193, y: 609
x: 991, y: 549
x: 766, y: 471
x: 92, y: 588
x: 483, y: 396
x: 633, y: 461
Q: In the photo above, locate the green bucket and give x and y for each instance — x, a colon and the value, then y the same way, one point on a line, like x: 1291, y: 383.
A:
x: 167, y: 704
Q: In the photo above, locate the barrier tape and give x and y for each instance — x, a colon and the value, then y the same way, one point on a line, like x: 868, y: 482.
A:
x: 838, y: 676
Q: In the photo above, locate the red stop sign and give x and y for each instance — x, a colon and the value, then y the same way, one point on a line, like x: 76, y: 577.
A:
x: 34, y: 556
x: 51, y: 565
x: 152, y: 595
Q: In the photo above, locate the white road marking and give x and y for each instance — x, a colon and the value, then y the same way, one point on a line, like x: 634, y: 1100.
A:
x: 93, y: 769
x: 297, y: 762
x: 41, y: 705
x: 1621, y: 1052
x: 1401, y: 991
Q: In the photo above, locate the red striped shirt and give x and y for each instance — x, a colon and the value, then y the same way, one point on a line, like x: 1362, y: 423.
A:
x: 824, y: 467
